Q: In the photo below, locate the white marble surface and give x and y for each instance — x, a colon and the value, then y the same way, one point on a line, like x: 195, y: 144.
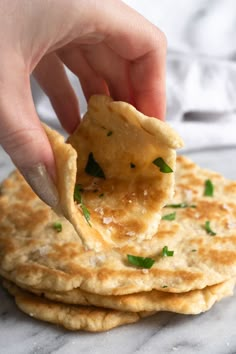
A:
x: 201, y: 76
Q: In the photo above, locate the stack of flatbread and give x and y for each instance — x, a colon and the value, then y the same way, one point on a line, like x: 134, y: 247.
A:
x: 134, y: 233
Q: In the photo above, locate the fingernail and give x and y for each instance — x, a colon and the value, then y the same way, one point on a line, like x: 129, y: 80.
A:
x: 41, y: 183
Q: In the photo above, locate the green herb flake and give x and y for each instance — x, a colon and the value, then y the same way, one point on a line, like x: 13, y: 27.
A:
x: 101, y: 195
x: 86, y: 213
x: 208, y: 228
x: 194, y: 250
x: 78, y: 198
x: 92, y: 168
x: 159, y: 162
x: 109, y: 133
x: 132, y: 165
x: 57, y: 226
x: 166, y: 252
x: 77, y: 193
x: 143, y: 262
x: 169, y: 217
x: 164, y: 286
x: 180, y: 205
x: 209, y: 188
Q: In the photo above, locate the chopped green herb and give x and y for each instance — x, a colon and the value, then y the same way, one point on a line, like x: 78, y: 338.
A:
x: 78, y: 199
x: 57, y: 226
x: 193, y: 250
x: 92, y: 168
x: 180, y: 205
x: 101, y: 195
x: 166, y: 252
x: 77, y: 193
x: 86, y: 213
x: 209, y: 188
x: 109, y: 133
x: 208, y: 228
x: 159, y: 162
x: 169, y: 216
x: 143, y: 262
x: 132, y: 165
x: 164, y: 286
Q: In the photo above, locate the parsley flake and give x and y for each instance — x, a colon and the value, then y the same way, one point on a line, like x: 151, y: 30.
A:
x: 92, y: 168
x: 101, y: 195
x: 109, y: 133
x: 143, y: 262
x: 166, y: 252
x: 209, y: 188
x: 170, y: 217
x: 77, y: 193
x: 86, y: 213
x: 159, y: 162
x: 78, y: 198
x: 57, y: 226
x: 208, y: 228
x: 180, y: 205
x: 164, y: 286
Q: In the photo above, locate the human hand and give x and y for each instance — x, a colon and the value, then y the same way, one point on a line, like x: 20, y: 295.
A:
x: 112, y: 50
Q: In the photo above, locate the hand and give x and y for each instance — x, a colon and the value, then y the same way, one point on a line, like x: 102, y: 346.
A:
x: 112, y: 50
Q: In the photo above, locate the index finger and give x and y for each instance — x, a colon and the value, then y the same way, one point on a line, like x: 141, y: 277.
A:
x: 137, y: 40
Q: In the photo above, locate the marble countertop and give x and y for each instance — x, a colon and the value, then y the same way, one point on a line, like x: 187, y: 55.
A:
x: 210, y: 332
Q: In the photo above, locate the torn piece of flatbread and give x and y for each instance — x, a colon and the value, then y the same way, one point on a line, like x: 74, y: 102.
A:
x: 124, y: 173
x: 33, y: 253
x: 189, y: 303
x: 74, y: 318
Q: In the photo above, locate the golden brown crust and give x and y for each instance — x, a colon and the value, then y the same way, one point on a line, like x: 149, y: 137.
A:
x: 34, y: 254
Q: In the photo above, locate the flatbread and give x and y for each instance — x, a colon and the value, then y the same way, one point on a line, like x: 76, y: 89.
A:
x: 71, y: 317
x: 190, y: 303
x: 121, y: 187
x: 98, y: 319
x: 33, y: 253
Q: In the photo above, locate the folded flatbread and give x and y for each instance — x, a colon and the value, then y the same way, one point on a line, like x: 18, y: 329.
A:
x: 115, y: 173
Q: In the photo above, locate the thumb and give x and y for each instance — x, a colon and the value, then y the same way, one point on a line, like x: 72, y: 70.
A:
x: 23, y: 137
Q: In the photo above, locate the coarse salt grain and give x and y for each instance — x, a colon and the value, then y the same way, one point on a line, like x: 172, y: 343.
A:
x: 107, y: 220
x: 231, y: 224
x: 130, y: 233
x: 99, y: 210
x: 225, y: 207
x: 43, y: 251
x: 188, y: 195
x: 97, y: 260
x: 145, y: 271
